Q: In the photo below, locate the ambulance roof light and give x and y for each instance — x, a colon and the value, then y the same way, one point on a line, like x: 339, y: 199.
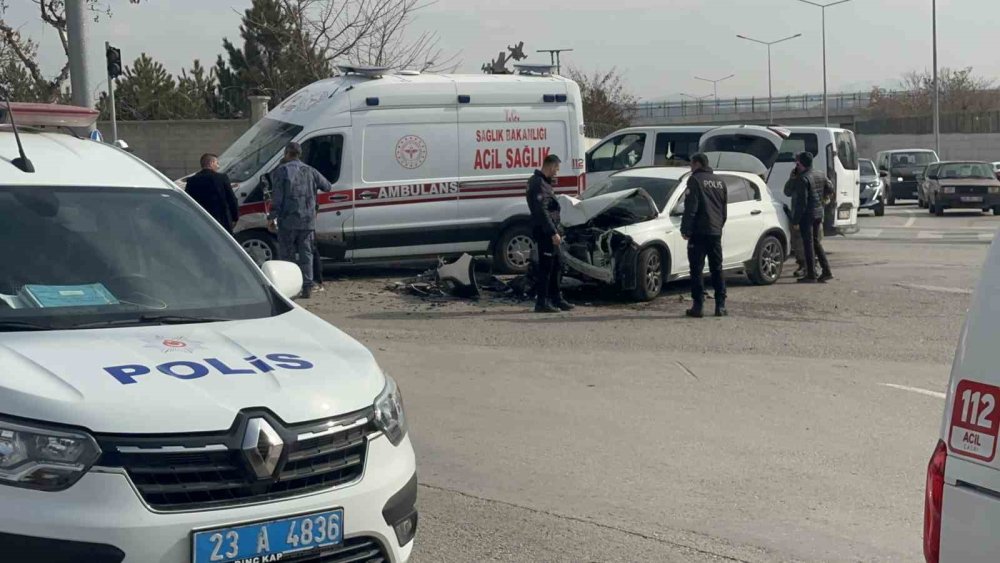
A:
x: 362, y: 70
x: 535, y: 69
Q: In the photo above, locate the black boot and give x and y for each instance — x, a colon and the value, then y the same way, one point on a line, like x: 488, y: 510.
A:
x: 562, y: 304
x: 695, y: 312
x: 306, y: 292
x: 720, y: 309
x: 543, y: 306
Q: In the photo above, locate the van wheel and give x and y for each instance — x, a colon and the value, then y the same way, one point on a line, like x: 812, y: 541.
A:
x: 512, y: 250
x: 649, y: 273
x: 259, y: 244
x: 768, y: 261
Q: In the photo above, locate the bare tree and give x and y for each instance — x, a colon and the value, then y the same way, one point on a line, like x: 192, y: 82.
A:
x: 961, y: 91
x: 608, y: 105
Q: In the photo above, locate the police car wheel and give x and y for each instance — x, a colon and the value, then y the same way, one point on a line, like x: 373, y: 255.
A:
x: 648, y: 275
x: 512, y: 250
x: 259, y: 244
x: 768, y: 261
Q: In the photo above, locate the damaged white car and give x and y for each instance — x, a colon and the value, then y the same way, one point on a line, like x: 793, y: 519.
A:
x: 625, y: 232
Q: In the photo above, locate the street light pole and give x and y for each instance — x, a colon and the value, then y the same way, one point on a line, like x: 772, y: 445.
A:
x: 826, y: 100
x: 715, y: 84
x: 770, y: 92
x: 937, y: 87
x: 76, y: 32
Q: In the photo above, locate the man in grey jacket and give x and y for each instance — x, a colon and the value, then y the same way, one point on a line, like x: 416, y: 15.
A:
x: 808, y: 189
x: 293, y: 211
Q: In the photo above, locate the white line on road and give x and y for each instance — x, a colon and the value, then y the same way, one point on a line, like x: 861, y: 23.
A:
x: 915, y: 390
x: 959, y: 290
x: 929, y: 235
x: 986, y: 236
x: 911, y: 220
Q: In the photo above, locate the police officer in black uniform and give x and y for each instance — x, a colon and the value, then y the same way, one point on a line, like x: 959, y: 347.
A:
x: 704, y: 218
x: 547, y: 234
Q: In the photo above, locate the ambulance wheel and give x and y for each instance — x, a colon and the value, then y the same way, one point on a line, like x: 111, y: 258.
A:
x: 259, y: 244
x: 649, y: 274
x: 512, y: 250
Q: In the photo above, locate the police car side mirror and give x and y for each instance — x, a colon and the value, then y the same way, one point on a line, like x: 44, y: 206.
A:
x: 286, y: 277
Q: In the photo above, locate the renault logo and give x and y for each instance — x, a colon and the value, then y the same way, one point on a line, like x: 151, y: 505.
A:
x: 262, y: 447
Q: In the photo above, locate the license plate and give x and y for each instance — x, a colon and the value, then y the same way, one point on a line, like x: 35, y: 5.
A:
x: 274, y: 540
x: 844, y: 214
x: 972, y: 198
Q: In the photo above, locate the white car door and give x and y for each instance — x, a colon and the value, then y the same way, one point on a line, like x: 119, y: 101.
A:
x: 744, y: 222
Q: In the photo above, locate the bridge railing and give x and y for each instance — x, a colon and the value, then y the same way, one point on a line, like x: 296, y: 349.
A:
x: 858, y: 100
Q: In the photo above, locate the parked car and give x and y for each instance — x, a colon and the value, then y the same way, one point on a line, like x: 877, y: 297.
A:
x: 996, y: 168
x: 835, y: 149
x: 961, y: 185
x: 962, y: 496
x: 872, y: 188
x: 626, y: 232
x: 899, y: 168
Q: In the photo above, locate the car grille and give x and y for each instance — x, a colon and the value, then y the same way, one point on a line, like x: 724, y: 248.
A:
x: 976, y: 190
x: 353, y: 550
x: 203, y: 471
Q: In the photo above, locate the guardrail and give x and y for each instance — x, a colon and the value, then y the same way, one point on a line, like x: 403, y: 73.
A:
x: 859, y: 100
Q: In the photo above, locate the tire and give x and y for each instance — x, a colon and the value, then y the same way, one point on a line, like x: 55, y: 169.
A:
x: 890, y: 199
x: 880, y: 210
x: 996, y: 209
x: 649, y: 274
x: 768, y: 260
x: 512, y: 250
x: 259, y: 244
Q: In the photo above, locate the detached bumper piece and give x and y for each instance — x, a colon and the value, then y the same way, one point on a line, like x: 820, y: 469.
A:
x: 28, y: 549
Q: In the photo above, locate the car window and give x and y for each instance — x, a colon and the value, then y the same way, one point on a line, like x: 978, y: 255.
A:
x: 737, y: 189
x: 325, y: 153
x: 867, y: 168
x: 81, y: 255
x: 660, y: 189
x: 675, y: 147
x: 965, y: 170
x: 619, y: 153
x: 932, y: 170
x: 796, y: 143
x: 904, y: 159
x: 847, y: 149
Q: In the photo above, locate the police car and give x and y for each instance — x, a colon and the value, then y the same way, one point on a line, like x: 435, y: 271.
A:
x: 962, y: 501
x: 161, y: 398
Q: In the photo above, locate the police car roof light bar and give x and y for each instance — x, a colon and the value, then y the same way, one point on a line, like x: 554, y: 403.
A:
x: 22, y: 162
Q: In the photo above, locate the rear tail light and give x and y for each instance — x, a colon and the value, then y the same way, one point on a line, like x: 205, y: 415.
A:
x: 933, y: 498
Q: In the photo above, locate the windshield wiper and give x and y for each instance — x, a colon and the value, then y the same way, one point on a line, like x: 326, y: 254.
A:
x: 18, y: 326
x: 152, y: 319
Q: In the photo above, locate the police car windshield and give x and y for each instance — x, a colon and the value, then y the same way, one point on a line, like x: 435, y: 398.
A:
x: 255, y: 147
x: 660, y: 189
x: 81, y: 256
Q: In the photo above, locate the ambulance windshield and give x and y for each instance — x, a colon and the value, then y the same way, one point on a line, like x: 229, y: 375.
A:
x: 253, y: 149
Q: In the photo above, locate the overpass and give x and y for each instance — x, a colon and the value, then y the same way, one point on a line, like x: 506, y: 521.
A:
x: 845, y: 110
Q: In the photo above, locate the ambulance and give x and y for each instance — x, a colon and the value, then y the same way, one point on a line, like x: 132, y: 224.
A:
x: 161, y: 397
x: 422, y: 165
x: 962, y: 495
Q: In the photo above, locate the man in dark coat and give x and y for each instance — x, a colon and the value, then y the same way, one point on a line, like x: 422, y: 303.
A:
x: 808, y: 188
x: 705, y: 215
x: 214, y: 193
x: 547, y: 234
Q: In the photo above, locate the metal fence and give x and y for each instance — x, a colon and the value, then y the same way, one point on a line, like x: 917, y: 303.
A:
x: 683, y: 108
x: 967, y: 122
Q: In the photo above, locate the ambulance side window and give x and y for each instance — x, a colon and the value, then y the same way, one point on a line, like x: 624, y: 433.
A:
x: 619, y: 153
x: 325, y: 153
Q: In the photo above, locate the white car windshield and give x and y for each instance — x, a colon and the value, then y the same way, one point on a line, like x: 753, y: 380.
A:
x: 255, y: 148
x: 660, y: 189
x: 91, y: 257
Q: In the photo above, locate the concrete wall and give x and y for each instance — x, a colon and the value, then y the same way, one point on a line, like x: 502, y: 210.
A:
x: 971, y: 146
x: 174, y: 147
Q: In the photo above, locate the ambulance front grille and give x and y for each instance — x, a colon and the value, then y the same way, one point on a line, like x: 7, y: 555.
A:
x: 179, y: 473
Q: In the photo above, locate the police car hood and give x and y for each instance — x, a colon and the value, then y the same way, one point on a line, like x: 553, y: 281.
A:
x: 186, y: 378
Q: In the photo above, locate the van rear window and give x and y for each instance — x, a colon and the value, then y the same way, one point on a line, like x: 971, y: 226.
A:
x: 847, y: 150
x: 796, y: 143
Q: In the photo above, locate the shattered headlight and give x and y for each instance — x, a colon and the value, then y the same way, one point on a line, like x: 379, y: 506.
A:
x: 41, y: 458
x: 389, y: 415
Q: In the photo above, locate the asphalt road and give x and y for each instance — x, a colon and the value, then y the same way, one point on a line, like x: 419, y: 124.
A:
x: 798, y: 429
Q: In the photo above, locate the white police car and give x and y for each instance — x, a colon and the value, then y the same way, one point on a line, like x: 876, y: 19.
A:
x: 161, y: 399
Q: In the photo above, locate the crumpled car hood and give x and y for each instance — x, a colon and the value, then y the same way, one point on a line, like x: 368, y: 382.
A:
x: 575, y: 211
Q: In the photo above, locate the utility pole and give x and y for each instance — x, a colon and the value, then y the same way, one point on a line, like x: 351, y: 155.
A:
x: 114, y: 60
x: 76, y: 31
x: 554, y: 57
x: 770, y: 92
x: 826, y: 100
x: 715, y: 84
x: 937, y: 87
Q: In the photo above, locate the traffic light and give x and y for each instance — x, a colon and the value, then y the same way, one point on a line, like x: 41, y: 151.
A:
x: 114, y: 56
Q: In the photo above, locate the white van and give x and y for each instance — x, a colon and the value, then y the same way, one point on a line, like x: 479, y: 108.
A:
x: 835, y: 150
x: 962, y: 501
x: 422, y: 165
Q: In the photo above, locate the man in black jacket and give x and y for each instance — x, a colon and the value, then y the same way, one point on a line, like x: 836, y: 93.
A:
x: 546, y: 232
x: 704, y: 219
x: 808, y: 189
x: 214, y: 193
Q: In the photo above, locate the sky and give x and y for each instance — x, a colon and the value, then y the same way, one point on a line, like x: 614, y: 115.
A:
x: 658, y: 45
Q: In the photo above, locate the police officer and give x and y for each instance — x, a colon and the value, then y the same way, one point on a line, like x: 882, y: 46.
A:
x: 547, y: 234
x: 809, y: 188
x: 704, y: 218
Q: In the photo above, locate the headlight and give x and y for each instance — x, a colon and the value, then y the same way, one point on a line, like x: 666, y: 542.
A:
x: 43, y: 458
x: 389, y: 415
x: 900, y: 179
x: 948, y: 189
x: 875, y: 185
x: 995, y: 189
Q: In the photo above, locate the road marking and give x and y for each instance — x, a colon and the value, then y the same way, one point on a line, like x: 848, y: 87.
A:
x: 911, y: 220
x: 929, y: 235
x: 959, y: 290
x: 915, y: 390
x: 988, y: 237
